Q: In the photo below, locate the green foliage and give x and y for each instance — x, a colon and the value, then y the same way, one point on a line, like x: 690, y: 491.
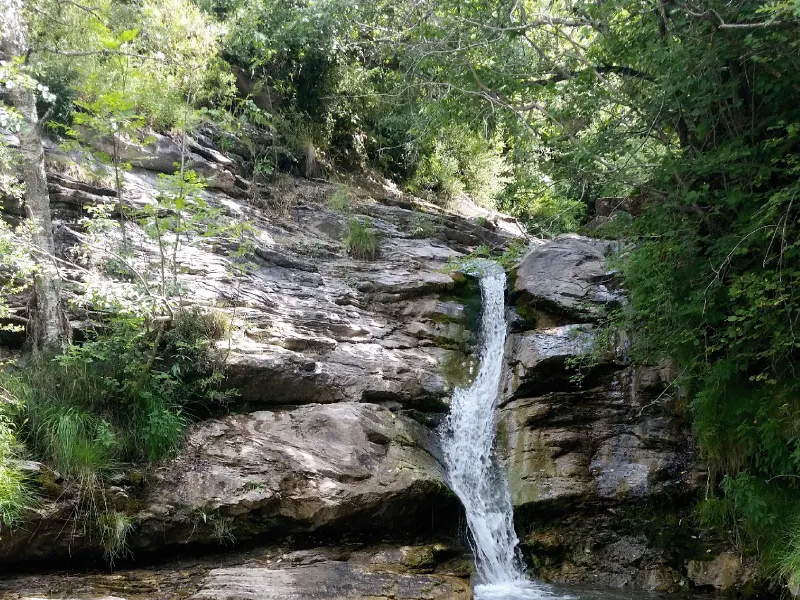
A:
x: 460, y: 162
x: 360, y: 239
x: 180, y: 215
x: 122, y: 395
x: 423, y: 226
x: 545, y: 210
x: 108, y: 399
x: 138, y: 50
x: 15, y: 497
x: 470, y: 262
x: 511, y: 255
x: 19, y: 267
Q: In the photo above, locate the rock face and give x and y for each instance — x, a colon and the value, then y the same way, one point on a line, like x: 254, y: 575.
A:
x: 342, y: 367
x: 598, y: 453
x: 331, y: 470
x: 339, y: 469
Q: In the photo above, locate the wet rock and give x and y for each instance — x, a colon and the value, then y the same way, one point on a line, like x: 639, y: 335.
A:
x: 269, y: 573
x: 661, y: 579
x: 339, y: 581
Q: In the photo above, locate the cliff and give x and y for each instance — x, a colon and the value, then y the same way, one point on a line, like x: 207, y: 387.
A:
x: 343, y: 369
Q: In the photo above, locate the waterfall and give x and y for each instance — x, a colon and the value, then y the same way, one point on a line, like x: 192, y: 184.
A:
x: 472, y: 472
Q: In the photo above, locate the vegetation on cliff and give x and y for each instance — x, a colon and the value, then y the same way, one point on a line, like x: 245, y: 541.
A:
x: 683, y: 112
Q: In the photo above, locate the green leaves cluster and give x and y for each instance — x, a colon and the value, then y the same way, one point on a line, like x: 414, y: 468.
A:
x: 154, y: 53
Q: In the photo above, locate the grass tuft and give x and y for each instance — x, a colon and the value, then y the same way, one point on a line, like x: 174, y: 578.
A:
x: 114, y: 528
x: 360, y: 240
x: 340, y: 200
x: 15, y: 496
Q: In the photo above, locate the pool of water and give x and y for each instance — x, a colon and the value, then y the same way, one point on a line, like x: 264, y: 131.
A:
x: 530, y: 590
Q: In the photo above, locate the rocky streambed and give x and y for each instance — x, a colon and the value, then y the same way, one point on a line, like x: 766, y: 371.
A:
x: 352, y: 572
x: 343, y: 370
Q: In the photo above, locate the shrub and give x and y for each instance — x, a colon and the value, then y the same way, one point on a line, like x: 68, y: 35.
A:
x: 462, y: 162
x: 360, y: 240
x: 546, y: 209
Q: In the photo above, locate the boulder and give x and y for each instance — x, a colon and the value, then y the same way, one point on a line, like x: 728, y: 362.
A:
x: 341, y: 469
x: 537, y: 359
x: 723, y: 573
x: 162, y: 154
x: 568, y: 277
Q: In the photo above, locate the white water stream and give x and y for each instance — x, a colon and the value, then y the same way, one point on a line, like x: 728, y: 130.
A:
x: 473, y: 474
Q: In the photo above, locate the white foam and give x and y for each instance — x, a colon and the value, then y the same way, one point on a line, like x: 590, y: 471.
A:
x: 517, y: 590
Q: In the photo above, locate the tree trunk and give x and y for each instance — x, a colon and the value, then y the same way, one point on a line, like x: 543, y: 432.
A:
x: 49, y: 325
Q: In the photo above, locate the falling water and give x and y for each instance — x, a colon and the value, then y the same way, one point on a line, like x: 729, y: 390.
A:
x: 473, y: 474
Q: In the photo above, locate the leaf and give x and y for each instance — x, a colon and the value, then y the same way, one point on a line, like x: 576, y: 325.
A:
x: 127, y: 35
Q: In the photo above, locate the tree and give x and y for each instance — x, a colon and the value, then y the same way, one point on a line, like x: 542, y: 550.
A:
x: 49, y: 326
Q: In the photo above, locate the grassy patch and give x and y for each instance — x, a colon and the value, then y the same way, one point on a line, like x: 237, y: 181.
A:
x: 15, y: 497
x: 114, y: 528
x: 361, y: 240
x: 120, y: 397
x: 423, y: 226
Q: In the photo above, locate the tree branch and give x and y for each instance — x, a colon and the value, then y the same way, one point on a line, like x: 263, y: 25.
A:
x: 82, y: 53
x: 602, y: 69
x: 712, y: 14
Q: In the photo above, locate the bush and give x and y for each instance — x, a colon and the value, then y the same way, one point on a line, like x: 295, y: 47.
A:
x: 546, y: 209
x: 360, y: 240
x: 121, y: 394
x: 462, y: 162
x: 161, y: 66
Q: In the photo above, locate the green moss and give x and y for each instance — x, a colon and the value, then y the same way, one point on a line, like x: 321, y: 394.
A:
x: 666, y: 529
x: 47, y: 485
x: 442, y: 319
x: 134, y: 506
x: 467, y: 292
x: 420, y: 559
x: 461, y: 567
x: 458, y: 368
x: 528, y: 315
